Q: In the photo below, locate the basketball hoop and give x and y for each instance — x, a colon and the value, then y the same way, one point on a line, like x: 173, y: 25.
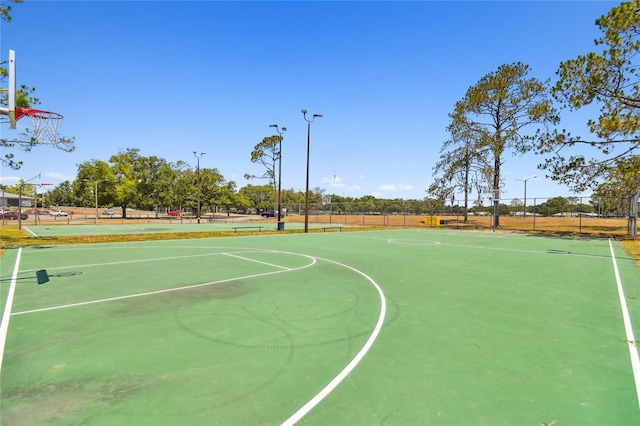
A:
x: 45, y: 124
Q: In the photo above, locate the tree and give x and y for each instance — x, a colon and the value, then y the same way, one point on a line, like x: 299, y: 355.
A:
x: 553, y: 206
x: 610, y: 79
x: 5, y: 11
x: 125, y: 166
x: 463, y: 159
x: 90, y: 172
x: 226, y: 196
x: 498, y: 110
x: 62, y: 195
x: 153, y: 181
x: 261, y: 196
x: 212, y: 184
x: 266, y: 153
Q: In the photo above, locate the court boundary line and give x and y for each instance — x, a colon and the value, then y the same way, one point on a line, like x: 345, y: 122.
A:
x: 626, y: 319
x: 6, y: 314
x: 26, y: 228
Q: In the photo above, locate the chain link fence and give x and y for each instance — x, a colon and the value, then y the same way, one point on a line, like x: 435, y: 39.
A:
x: 582, y: 215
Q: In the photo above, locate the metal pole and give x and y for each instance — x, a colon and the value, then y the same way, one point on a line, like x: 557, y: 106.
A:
x: 306, y: 201
x: 199, y: 183
x: 306, y: 197
x: 95, y: 220
x: 524, y: 213
x: 20, y: 200
x: 279, y: 181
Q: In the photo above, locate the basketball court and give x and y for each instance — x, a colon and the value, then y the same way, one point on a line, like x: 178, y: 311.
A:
x: 155, y: 228
x: 355, y: 328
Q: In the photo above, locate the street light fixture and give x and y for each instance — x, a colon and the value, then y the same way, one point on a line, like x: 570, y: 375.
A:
x: 199, y: 189
x: 524, y: 213
x: 284, y: 129
x: 306, y: 199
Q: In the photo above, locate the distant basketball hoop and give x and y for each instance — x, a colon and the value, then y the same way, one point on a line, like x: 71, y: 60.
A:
x: 45, y: 124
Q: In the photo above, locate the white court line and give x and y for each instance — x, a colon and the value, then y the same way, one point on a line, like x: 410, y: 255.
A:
x: 6, y: 314
x: 631, y: 341
x: 304, y: 410
x: 26, y: 228
x: 149, y: 293
x: 257, y: 261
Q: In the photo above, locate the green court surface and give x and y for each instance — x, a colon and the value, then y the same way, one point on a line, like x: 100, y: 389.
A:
x: 399, y: 327
x: 154, y: 228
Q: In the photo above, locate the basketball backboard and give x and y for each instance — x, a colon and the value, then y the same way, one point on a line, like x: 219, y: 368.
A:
x: 12, y: 88
x: 10, y: 109
x: 45, y: 123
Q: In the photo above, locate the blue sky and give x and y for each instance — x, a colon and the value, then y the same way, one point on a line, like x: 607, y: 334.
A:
x: 173, y: 77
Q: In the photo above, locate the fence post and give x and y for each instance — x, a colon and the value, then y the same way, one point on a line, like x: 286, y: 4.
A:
x: 579, y: 216
x: 633, y: 215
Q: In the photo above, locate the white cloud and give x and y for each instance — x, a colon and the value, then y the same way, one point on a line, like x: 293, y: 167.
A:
x: 338, y: 182
x: 406, y: 187
x: 61, y: 177
x: 392, y: 187
x: 387, y: 187
x: 9, y: 180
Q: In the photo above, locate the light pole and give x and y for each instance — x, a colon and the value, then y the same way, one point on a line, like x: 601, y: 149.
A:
x: 198, y: 171
x: 284, y: 129
x: 524, y: 213
x: 20, y: 199
x: 95, y: 193
x: 306, y: 197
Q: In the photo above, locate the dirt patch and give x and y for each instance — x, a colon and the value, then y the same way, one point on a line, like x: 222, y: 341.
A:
x: 161, y: 302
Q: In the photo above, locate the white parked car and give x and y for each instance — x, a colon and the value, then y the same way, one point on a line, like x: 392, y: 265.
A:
x: 58, y: 213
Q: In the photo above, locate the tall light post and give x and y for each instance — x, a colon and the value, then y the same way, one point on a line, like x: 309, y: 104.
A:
x: 524, y: 213
x: 306, y: 197
x: 95, y: 194
x: 198, y: 171
x: 26, y: 182
x: 284, y: 129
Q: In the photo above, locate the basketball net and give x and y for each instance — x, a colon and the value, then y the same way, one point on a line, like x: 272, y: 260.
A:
x: 45, y: 124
